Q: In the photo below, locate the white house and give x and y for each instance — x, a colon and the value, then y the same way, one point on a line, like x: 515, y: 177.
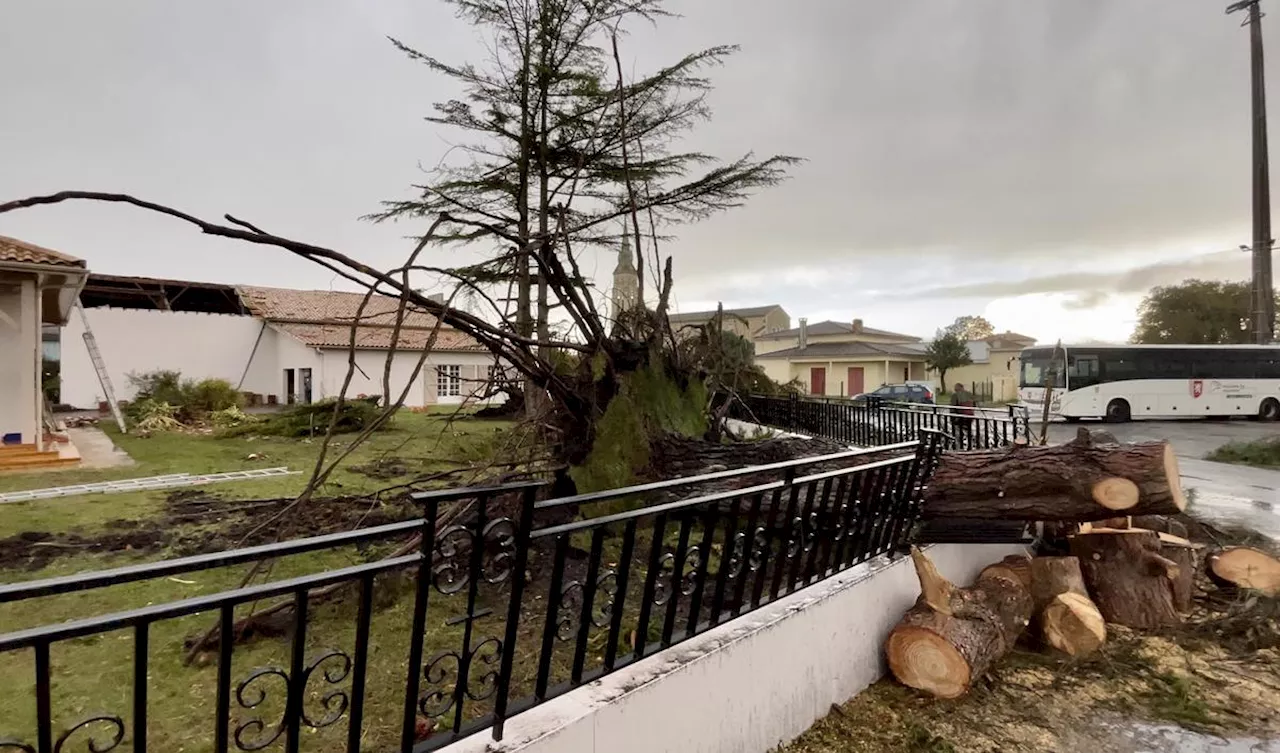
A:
x: 38, y: 286
x: 278, y: 344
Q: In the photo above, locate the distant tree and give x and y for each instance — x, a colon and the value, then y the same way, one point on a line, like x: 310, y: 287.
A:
x: 1195, y: 312
x: 971, y: 328
x: 947, y: 351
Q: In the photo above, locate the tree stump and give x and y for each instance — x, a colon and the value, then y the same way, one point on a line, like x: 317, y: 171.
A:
x: 1131, y: 582
x: 1245, y: 568
x: 1182, y: 552
x: 1078, y: 481
x: 1066, y: 618
x: 952, y: 635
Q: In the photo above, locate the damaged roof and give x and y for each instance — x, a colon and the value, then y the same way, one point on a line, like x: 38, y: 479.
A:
x: 14, y: 250
x: 323, y: 319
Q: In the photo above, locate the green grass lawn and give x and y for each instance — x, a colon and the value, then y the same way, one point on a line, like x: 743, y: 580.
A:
x: 94, y: 674
x: 1259, y: 453
x: 425, y: 442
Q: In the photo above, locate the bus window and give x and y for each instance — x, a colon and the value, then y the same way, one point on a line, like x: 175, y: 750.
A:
x: 1036, y: 367
x: 1082, y: 371
x: 1118, y: 366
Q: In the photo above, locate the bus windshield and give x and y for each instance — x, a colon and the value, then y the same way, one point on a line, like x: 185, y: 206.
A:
x: 1035, y: 365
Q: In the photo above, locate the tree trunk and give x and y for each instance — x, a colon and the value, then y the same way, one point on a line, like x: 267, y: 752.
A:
x: 1245, y: 568
x: 953, y: 635
x: 1131, y: 582
x: 1077, y: 481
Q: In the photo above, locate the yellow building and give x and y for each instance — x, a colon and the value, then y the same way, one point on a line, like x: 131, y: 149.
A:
x: 994, y: 371
x: 839, y: 358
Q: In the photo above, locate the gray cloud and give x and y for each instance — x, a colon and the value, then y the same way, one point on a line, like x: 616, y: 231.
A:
x: 957, y: 140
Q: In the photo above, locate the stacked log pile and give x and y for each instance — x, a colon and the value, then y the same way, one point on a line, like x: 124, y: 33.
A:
x: 1116, y: 508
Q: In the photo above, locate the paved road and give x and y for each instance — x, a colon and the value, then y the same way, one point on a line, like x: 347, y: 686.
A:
x: 1234, y: 494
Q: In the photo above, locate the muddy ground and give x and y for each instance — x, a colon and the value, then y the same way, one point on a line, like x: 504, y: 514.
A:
x: 195, y: 522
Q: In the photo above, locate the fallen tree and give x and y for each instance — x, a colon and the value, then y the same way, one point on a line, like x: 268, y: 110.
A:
x: 1066, y: 618
x: 953, y: 635
x: 1077, y: 481
x: 1131, y: 581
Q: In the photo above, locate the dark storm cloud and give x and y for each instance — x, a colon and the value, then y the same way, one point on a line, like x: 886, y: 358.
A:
x: 1093, y: 287
x: 943, y: 136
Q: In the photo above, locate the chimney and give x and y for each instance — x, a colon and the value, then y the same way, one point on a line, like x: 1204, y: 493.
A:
x: 857, y: 326
x: 804, y: 333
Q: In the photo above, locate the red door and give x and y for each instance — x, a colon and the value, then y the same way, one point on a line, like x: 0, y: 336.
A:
x: 856, y: 384
x: 817, y: 381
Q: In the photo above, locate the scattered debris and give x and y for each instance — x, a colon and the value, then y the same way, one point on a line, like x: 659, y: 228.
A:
x: 169, y: 481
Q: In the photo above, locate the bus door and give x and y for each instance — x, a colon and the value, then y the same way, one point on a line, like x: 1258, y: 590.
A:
x: 1082, y: 380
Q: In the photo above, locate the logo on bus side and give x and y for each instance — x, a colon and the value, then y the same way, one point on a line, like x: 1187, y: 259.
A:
x: 1197, y: 387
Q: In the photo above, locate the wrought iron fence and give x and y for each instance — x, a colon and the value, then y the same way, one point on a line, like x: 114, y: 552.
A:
x: 870, y: 422
x: 499, y: 601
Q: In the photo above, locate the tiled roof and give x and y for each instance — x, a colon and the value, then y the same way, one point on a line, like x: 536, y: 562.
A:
x: 852, y: 349
x: 701, y: 316
x: 323, y: 318
x: 14, y: 250
x: 836, y: 328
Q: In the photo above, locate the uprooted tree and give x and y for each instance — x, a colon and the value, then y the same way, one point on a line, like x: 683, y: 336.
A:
x: 563, y: 151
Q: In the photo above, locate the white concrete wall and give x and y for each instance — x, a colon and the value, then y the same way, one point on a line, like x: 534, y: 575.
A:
x: 138, y: 340
x: 747, y: 686
x: 368, y: 378
x: 20, y: 352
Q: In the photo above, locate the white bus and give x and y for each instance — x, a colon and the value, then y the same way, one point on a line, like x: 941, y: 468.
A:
x: 1120, y: 382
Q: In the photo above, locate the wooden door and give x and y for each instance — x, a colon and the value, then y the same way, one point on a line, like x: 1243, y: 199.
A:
x: 857, y: 383
x: 818, y: 381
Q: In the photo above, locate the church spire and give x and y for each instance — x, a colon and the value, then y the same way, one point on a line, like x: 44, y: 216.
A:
x: 626, y: 282
x: 625, y: 263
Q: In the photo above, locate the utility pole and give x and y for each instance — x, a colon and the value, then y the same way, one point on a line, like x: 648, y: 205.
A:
x: 1264, y: 314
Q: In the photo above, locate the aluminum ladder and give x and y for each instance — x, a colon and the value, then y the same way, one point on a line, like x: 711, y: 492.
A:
x: 104, y: 379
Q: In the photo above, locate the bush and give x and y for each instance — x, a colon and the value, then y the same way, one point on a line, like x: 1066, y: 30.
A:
x: 190, y: 399
x: 313, y: 419
x: 150, y: 415
x: 229, y: 417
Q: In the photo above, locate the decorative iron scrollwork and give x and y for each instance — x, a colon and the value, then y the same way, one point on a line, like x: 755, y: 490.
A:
x: 95, y: 744
x: 250, y: 694
x: 9, y: 744
x: 689, y: 578
x: 795, y: 537
x: 449, y: 574
x: 439, y: 699
x: 499, y: 534
x: 602, y: 609
x: 737, y: 558
x: 447, y: 669
x: 664, y: 579
x: 570, y: 610
x: 254, y: 734
x: 759, y: 546
x: 335, y: 702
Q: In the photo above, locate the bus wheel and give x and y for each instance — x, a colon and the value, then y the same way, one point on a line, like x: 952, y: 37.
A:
x: 1118, y: 411
x: 1270, y: 410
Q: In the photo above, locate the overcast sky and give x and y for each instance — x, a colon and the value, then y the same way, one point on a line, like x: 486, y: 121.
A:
x: 1042, y: 162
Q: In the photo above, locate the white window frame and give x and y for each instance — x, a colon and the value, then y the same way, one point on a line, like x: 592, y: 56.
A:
x: 449, y: 380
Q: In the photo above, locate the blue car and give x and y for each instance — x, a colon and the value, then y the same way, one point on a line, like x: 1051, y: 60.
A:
x: 911, y: 392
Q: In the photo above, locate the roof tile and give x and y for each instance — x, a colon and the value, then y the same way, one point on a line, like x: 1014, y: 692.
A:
x: 14, y: 250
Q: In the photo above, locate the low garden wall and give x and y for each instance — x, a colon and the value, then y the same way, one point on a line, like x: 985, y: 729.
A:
x: 748, y: 685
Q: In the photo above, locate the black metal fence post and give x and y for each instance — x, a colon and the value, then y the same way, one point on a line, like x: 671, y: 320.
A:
x: 523, y: 527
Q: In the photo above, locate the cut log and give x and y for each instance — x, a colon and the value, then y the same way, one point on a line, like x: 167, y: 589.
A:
x: 1066, y: 618
x: 952, y: 635
x: 1245, y: 568
x: 1130, y: 581
x: 1051, y: 576
x: 1072, y: 624
x: 1015, y: 566
x: 1078, y: 481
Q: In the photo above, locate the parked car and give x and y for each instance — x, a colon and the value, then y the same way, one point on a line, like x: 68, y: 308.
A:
x: 910, y: 392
